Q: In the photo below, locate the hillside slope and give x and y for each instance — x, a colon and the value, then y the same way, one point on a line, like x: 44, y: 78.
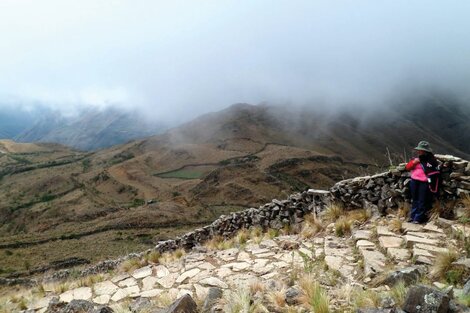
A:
x: 129, y: 196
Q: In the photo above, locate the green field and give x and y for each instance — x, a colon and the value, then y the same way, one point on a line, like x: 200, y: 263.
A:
x: 190, y: 172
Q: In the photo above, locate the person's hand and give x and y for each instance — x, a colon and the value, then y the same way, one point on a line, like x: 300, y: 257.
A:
x: 416, y: 161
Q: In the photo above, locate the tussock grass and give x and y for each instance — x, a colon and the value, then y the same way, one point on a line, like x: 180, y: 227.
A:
x: 242, y: 301
x: 463, y: 299
x: 153, y: 257
x: 130, y: 265
x: 277, y: 299
x: 257, y: 286
x: 361, y: 215
x: 273, y: 233
x: 398, y: 293
x: 314, y: 297
x: 443, y: 264
x: 219, y: 243
x: 404, y: 210
x: 89, y: 281
x: 333, y: 211
x: 395, y: 225
x: 343, y: 227
x: 242, y: 237
x: 169, y: 257
x: 311, y: 227
x: 164, y: 300
x: 365, y: 299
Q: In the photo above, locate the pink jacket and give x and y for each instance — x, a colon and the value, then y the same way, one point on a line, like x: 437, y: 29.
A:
x: 417, y: 172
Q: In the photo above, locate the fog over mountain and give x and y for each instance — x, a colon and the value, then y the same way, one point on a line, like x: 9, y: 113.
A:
x: 175, y: 60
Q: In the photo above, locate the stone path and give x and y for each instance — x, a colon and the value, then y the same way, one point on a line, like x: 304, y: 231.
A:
x: 369, y: 251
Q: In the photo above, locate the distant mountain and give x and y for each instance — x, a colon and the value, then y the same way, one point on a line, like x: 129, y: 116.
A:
x: 91, y: 129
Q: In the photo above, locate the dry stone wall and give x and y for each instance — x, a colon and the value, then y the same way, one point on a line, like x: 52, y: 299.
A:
x: 377, y: 192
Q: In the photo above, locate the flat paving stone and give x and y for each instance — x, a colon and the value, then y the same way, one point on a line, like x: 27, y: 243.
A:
x: 364, y: 243
x: 103, y: 300
x: 411, y: 240
x: 151, y: 293
x: 390, y: 242
x: 142, y: 272
x: 399, y: 254
x: 168, y: 281
x: 384, y: 231
x: 161, y: 271
x: 237, y: 266
x: 131, y: 281
x: 411, y: 227
x: 149, y: 282
x: 118, y: 278
x: 213, y: 282
x: 374, y: 261
x: 362, y: 234
x: 429, y: 235
x: 187, y: 274
x: 433, y: 227
x: 105, y: 288
x: 431, y: 249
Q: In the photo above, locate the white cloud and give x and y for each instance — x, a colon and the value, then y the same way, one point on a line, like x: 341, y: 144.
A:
x: 178, y: 58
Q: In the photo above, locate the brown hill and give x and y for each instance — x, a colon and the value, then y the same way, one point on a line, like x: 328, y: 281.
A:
x: 59, y: 203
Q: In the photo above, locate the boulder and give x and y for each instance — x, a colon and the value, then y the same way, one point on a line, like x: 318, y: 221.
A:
x: 423, y: 299
x: 213, y: 296
x: 292, y: 296
x: 185, y: 304
x: 139, y: 304
x: 408, y: 276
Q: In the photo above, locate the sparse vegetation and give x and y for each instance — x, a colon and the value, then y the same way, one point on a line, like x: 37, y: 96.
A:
x: 311, y: 227
x: 343, y: 227
x: 333, y: 211
x: 395, y: 225
x: 443, y: 263
x: 314, y: 297
x: 242, y: 301
x: 365, y: 298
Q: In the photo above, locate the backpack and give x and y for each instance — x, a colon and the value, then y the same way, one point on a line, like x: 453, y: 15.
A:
x: 434, y: 176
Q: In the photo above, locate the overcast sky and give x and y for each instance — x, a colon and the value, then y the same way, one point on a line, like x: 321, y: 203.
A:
x: 179, y: 58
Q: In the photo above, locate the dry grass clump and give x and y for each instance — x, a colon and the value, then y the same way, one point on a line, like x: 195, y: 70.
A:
x: 343, y: 227
x: 466, y: 201
x: 89, y: 281
x: 153, y: 257
x: 272, y: 233
x: 131, y: 265
x: 398, y: 293
x: 314, y: 297
x: 169, y: 257
x: 257, y: 286
x: 361, y: 215
x: 277, y: 299
x: 404, y: 210
x: 365, y: 298
x: 242, y: 236
x: 219, y: 243
x: 333, y: 211
x: 242, y: 301
x: 395, y: 225
x: 311, y: 227
x: 443, y: 263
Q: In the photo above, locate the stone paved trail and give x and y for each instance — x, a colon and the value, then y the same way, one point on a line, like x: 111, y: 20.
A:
x: 370, y: 250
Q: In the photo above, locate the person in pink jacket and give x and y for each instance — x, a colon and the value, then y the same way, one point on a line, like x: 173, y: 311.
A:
x: 421, y: 168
